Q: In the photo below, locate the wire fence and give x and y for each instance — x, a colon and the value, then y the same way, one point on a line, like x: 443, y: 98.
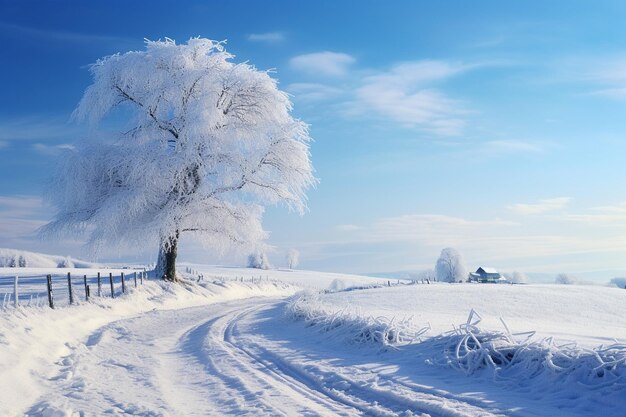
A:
x: 59, y: 290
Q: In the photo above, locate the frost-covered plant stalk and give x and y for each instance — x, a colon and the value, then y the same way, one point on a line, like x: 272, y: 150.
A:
x: 208, y: 142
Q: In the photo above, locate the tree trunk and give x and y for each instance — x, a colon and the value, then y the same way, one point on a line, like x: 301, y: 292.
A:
x: 166, y: 263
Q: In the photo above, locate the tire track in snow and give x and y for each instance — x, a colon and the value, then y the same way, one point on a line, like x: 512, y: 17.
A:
x: 197, y: 362
x: 244, y: 376
x: 398, y: 400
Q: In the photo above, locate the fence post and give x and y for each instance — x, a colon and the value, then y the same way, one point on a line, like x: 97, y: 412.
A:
x: 99, y: 286
x: 16, y: 293
x: 49, y: 282
x: 141, y: 277
x: 87, y: 292
x: 86, y: 288
x: 111, y: 282
x: 69, y: 285
x: 135, y: 277
x: 123, y: 284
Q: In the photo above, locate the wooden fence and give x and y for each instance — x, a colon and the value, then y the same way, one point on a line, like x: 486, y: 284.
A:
x: 65, y: 289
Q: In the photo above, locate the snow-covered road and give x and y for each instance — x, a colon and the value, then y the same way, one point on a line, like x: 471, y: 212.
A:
x: 234, y: 358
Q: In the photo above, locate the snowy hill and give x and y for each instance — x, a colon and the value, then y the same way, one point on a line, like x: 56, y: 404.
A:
x: 241, y: 341
x: 19, y: 258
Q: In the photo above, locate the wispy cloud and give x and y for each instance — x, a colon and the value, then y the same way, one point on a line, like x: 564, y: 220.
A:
x: 36, y: 128
x: 333, y: 64
x: 52, y: 149
x: 543, y: 206
x: 611, y: 215
x: 20, y: 217
x: 433, y: 229
x: 313, y: 91
x: 408, y: 94
x: 267, y: 37
x: 347, y: 227
x: 59, y: 35
x: 599, y: 75
x: 18, y: 203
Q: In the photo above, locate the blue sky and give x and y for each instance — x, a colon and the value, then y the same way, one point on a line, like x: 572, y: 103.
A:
x: 494, y: 127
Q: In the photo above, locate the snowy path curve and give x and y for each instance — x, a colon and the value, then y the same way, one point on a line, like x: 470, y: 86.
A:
x: 218, y: 360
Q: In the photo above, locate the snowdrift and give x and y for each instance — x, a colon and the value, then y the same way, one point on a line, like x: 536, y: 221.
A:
x: 13, y: 258
x: 307, y: 307
x: 32, y: 338
x: 515, y: 359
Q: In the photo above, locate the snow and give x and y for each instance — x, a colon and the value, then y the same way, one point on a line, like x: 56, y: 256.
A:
x: 8, y: 257
x: 32, y: 339
x: 245, y: 341
x: 565, y: 346
x: 591, y: 315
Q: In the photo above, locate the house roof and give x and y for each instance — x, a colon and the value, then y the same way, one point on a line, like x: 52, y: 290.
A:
x: 487, y: 270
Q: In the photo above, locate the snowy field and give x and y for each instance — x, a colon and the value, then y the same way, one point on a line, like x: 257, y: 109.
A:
x: 251, y: 342
x: 589, y: 315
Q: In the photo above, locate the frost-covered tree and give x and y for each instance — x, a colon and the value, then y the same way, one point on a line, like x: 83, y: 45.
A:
x: 565, y: 279
x: 618, y: 282
x: 259, y: 260
x: 66, y: 263
x: 208, y: 142
x: 21, y: 261
x: 450, y: 267
x: 518, y: 277
x: 293, y: 258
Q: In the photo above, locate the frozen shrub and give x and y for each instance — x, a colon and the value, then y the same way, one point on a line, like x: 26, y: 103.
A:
x: 565, y: 279
x: 66, y: 263
x: 517, y: 277
x: 259, y: 260
x: 619, y: 282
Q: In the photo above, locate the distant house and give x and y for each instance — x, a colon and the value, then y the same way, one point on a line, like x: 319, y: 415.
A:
x: 486, y: 275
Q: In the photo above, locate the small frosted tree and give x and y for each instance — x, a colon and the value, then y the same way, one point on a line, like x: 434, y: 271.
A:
x: 565, y: 279
x: 259, y: 260
x: 518, y: 278
x: 618, y: 282
x: 208, y: 143
x: 65, y: 263
x: 293, y: 258
x: 450, y: 267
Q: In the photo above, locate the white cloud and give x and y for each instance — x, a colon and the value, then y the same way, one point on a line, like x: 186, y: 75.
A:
x: 325, y: 63
x: 52, y: 149
x: 36, y: 128
x: 407, y: 94
x: 603, y: 75
x: 313, y: 91
x: 612, y: 215
x: 20, y: 215
x: 435, y: 228
x: 347, y: 227
x: 543, y: 206
x: 61, y: 36
x: 268, y: 37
